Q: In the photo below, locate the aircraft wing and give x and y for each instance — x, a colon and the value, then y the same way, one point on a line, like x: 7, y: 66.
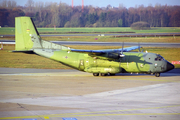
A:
x: 106, y: 50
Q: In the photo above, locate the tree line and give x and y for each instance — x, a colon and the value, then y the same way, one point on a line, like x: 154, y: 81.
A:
x: 50, y: 14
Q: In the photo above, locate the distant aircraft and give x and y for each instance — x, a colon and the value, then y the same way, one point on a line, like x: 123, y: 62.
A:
x: 98, y: 62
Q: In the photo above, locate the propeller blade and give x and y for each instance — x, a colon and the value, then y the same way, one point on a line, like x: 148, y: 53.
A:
x: 139, y: 47
x: 121, y: 54
x: 122, y: 48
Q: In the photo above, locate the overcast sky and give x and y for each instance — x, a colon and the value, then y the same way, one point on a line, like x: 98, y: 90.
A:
x: 115, y: 3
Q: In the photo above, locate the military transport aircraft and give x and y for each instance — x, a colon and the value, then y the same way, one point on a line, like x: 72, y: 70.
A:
x: 98, y: 62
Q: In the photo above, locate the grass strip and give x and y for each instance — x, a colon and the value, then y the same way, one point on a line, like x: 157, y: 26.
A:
x: 167, y: 39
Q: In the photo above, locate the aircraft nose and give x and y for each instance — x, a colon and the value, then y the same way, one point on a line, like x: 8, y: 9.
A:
x: 170, y: 66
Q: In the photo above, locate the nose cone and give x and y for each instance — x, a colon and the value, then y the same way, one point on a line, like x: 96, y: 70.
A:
x: 169, y: 66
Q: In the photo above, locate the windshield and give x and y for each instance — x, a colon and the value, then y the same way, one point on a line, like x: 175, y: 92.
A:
x: 159, y: 58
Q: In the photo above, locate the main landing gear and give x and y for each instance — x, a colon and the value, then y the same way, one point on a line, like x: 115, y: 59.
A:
x: 103, y: 74
x: 109, y: 74
x: 96, y: 74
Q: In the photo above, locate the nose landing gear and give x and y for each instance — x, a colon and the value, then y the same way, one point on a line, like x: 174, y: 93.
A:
x: 157, y: 74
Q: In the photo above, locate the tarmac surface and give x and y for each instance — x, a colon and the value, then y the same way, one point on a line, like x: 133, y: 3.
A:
x: 38, y: 94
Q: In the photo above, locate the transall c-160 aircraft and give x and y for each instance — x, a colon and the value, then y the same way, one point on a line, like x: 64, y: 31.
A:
x: 98, y: 62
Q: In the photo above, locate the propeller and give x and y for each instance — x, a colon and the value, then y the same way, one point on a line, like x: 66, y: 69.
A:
x: 142, y: 50
x: 121, y: 54
x: 122, y: 48
x: 139, y: 47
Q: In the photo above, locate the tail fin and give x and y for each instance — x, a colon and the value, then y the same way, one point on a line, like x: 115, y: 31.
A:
x: 26, y: 35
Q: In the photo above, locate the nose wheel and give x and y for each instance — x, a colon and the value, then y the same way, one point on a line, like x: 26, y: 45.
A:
x: 157, y: 74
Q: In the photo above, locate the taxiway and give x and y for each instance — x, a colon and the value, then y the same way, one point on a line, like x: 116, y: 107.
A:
x: 57, y: 94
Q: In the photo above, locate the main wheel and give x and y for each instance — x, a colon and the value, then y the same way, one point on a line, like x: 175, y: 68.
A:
x: 103, y: 74
x: 96, y: 74
x: 157, y: 74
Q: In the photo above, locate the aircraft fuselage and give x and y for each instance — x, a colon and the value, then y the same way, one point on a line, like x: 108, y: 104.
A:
x: 133, y: 62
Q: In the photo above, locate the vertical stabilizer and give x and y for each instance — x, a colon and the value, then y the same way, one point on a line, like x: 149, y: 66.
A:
x: 26, y: 35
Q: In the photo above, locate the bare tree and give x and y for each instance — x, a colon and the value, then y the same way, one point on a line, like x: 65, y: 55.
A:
x: 30, y: 5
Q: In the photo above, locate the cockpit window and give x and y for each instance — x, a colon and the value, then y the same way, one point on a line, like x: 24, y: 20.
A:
x: 159, y: 58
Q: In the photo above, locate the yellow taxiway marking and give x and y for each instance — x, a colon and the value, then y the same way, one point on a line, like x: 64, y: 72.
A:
x: 99, y: 113
x: 46, y: 117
